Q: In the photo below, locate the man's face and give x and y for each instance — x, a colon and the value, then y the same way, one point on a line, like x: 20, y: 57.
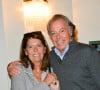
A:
x: 60, y: 34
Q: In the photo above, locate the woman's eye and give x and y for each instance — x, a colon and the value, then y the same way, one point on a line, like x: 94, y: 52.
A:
x: 28, y: 47
x: 39, y: 45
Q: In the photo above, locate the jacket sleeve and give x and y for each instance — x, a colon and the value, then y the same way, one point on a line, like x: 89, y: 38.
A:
x: 94, y: 67
x: 41, y: 86
x: 18, y: 82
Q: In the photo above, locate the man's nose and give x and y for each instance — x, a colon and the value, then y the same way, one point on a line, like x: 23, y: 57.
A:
x: 58, y: 35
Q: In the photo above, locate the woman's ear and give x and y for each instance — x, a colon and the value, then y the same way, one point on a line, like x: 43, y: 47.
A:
x: 25, y: 52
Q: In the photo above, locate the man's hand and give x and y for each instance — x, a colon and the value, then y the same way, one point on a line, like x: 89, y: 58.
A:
x: 13, y: 69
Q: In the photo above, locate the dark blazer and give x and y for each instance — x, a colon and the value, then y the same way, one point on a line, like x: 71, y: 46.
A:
x: 79, y: 69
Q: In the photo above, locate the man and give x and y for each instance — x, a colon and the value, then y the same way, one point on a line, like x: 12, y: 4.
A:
x: 76, y: 65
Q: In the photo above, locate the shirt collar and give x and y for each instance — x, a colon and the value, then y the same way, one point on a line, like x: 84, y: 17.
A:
x: 59, y: 54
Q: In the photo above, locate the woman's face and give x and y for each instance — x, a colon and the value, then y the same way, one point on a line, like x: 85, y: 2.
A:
x: 35, y: 50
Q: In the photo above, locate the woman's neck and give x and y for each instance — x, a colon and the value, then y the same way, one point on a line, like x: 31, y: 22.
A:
x: 37, y: 73
x: 37, y: 67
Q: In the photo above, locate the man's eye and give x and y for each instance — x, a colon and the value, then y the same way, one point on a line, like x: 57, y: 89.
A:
x: 62, y: 30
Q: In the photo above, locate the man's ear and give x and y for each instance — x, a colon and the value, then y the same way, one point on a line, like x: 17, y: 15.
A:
x: 70, y: 32
x: 44, y: 50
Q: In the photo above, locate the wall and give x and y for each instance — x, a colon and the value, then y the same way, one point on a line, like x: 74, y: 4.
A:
x: 86, y: 16
x: 11, y: 31
x: 13, y: 27
x: 63, y: 7
x: 3, y: 63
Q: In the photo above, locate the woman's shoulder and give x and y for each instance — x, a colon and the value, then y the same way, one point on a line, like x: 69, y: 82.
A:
x: 23, y: 69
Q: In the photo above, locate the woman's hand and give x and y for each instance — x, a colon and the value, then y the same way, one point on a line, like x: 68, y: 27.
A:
x: 55, y: 85
x: 50, y: 77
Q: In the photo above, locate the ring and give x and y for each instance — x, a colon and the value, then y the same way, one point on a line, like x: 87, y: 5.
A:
x: 55, y: 83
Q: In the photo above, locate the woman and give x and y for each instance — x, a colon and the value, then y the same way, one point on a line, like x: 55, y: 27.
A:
x: 34, y: 56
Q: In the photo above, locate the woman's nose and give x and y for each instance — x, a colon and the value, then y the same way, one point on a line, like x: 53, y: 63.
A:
x: 35, y: 49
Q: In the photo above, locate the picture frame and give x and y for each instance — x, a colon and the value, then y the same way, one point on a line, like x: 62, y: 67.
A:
x: 95, y: 44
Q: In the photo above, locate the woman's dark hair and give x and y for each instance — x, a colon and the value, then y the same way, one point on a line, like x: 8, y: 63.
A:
x: 24, y: 58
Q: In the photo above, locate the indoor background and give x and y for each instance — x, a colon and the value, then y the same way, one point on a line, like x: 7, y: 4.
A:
x: 85, y: 14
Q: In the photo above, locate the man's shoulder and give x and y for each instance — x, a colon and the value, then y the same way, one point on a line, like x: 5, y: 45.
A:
x: 86, y: 48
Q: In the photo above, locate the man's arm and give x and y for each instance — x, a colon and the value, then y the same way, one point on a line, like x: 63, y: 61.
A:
x: 94, y: 67
x: 13, y: 69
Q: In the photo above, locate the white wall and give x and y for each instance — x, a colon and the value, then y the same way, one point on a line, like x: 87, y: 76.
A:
x: 13, y: 27
x: 84, y: 13
x: 11, y: 31
x: 86, y: 16
x: 3, y: 63
x: 62, y: 6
